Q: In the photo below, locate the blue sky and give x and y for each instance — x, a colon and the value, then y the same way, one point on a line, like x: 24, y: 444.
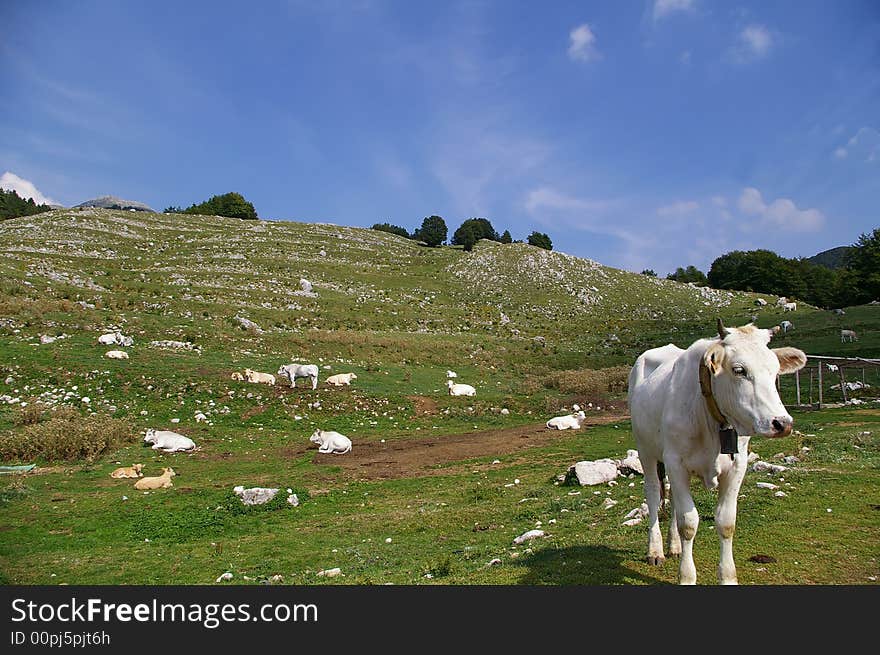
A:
x: 641, y: 134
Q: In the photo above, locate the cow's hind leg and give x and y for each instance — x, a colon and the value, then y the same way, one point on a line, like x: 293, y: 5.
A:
x: 673, y: 539
x: 653, y: 480
x: 687, y: 519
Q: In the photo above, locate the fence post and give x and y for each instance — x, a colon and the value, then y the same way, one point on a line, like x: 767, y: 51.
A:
x: 811, y: 387
x: 842, y: 385
x: 797, y: 382
x: 820, y: 385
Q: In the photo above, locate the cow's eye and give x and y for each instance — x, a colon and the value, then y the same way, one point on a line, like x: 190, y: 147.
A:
x: 739, y: 370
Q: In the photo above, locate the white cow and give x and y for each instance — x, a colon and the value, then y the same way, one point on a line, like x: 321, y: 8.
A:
x: 789, y: 307
x: 786, y: 326
x: 451, y: 374
x: 848, y: 335
x: 567, y: 422
x: 460, y: 389
x: 781, y: 301
x: 116, y: 354
x: 256, y: 376
x: 679, y: 401
x: 839, y: 312
x: 331, y: 442
x: 168, y: 441
x: 760, y: 302
x: 341, y: 379
x: 115, y: 339
x: 294, y: 371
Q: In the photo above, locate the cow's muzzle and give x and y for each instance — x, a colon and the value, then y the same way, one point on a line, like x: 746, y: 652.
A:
x: 781, y: 426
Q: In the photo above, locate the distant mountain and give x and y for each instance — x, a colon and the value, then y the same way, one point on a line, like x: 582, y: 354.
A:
x: 833, y: 258
x: 112, y: 202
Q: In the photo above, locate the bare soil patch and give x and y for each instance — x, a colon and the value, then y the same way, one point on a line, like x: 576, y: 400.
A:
x: 411, y: 458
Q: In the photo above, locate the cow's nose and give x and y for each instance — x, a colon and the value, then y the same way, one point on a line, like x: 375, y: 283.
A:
x: 782, y: 426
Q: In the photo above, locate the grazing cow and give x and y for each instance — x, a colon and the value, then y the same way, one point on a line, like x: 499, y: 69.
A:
x: 460, y: 389
x: 688, y: 408
x: 848, y: 335
x: 789, y: 307
x: 567, y: 422
x: 294, y: 371
x: 781, y: 301
x: 168, y: 441
x: 341, y: 379
x: 832, y: 367
x: 786, y: 326
x: 256, y: 376
x: 331, y: 442
x: 839, y: 312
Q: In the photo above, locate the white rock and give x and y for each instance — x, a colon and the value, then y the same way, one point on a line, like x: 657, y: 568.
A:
x: 225, y: 576
x: 780, y: 494
x: 753, y: 457
x: 633, y: 521
x: 255, y: 495
x: 596, y: 472
x: 175, y: 420
x: 330, y: 573
x: 609, y: 503
x: 505, y: 411
x: 494, y: 562
x: 766, y: 467
x: 531, y: 534
x: 631, y: 463
x: 767, y: 485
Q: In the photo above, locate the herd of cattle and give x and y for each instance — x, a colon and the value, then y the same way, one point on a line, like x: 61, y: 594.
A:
x: 693, y: 412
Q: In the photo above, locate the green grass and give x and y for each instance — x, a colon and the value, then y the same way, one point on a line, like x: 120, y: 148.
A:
x: 398, y: 315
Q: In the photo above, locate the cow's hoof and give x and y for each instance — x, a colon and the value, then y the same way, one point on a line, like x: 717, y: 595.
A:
x: 656, y: 560
x: 675, y: 553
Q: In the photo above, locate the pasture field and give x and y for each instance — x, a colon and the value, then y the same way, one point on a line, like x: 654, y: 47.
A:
x: 533, y: 331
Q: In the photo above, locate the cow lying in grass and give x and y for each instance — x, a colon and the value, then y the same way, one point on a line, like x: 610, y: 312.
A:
x: 331, y: 442
x: 256, y: 376
x: 567, y: 422
x: 133, y: 471
x: 168, y: 441
x: 341, y: 379
x: 158, y: 482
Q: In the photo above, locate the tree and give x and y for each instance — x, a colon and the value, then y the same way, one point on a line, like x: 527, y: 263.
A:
x: 433, y: 231
x: 393, y: 229
x: 171, y: 209
x: 231, y: 204
x: 541, y: 240
x: 481, y: 227
x: 506, y: 238
x: 689, y: 274
x: 863, y: 266
x: 466, y: 236
x: 649, y: 272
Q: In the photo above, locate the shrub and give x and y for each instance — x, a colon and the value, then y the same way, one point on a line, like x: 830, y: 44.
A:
x: 393, y: 229
x: 65, y: 434
x: 590, y: 382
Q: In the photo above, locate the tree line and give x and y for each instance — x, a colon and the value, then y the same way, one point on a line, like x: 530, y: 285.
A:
x: 434, y: 232
x: 13, y: 205
x: 856, y: 282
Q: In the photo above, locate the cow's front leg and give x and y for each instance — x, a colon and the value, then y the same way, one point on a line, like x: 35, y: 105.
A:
x: 674, y: 540
x: 687, y: 519
x: 314, y: 383
x: 729, y: 484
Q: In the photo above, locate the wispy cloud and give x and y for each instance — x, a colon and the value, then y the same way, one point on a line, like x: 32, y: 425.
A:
x: 24, y: 188
x: 753, y: 42
x: 582, y: 44
x: 663, y: 8
x: 677, y: 209
x: 781, y: 213
x: 865, y: 143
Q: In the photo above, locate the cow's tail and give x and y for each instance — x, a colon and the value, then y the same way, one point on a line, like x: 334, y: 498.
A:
x: 661, y: 473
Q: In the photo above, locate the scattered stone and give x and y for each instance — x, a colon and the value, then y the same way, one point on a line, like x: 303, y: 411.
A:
x: 330, y: 573
x: 494, y: 562
x: 531, y: 534
x: 766, y: 467
x: 225, y: 576
x: 767, y: 485
x: 595, y: 472
x: 631, y: 463
x: 609, y: 503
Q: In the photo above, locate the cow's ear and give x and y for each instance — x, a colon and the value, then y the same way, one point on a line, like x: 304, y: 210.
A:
x: 790, y: 359
x: 714, y: 358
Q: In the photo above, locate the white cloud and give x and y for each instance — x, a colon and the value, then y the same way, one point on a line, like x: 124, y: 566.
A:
x: 678, y: 209
x: 665, y: 7
x: 782, y: 212
x: 864, y: 143
x: 24, y: 188
x: 583, y: 44
x: 753, y: 42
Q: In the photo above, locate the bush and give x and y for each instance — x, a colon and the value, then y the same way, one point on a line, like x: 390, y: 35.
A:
x: 231, y: 205
x: 393, y: 229
x: 590, y: 382
x: 65, y: 434
x: 540, y: 240
x: 433, y: 231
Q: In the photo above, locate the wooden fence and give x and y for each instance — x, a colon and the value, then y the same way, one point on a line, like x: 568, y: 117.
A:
x: 824, y: 381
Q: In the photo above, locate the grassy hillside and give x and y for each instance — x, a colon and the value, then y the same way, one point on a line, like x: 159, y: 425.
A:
x: 523, y: 325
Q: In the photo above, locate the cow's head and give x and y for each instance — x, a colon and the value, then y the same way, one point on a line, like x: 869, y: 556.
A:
x: 743, y: 371
x: 150, y: 437
x: 316, y: 437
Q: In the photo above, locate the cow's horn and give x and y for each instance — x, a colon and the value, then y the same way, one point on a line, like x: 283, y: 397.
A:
x: 722, y: 331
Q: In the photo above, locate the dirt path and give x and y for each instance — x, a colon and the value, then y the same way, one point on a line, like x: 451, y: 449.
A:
x: 410, y: 458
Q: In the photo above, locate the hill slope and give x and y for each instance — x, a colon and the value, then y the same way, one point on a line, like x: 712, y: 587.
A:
x: 833, y: 258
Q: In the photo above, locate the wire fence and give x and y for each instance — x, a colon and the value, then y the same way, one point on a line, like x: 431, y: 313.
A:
x: 828, y: 381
